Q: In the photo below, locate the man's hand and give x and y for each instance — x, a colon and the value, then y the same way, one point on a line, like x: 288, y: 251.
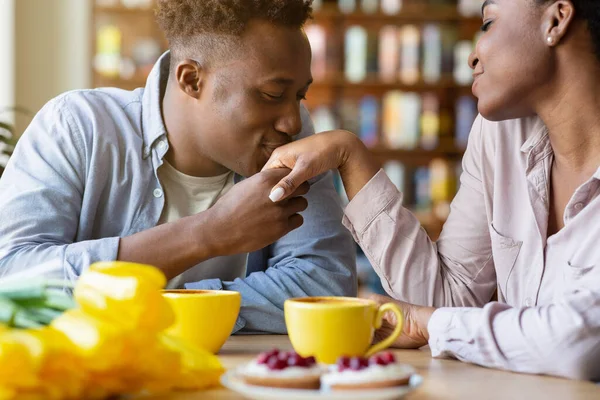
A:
x: 246, y: 220
x: 416, y: 318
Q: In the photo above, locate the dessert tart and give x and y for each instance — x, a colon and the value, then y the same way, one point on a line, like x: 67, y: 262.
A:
x: 283, y: 369
x: 379, y: 371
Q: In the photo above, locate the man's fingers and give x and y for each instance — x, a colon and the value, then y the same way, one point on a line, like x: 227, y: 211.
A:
x: 295, y: 205
x: 296, y: 221
x: 302, y: 190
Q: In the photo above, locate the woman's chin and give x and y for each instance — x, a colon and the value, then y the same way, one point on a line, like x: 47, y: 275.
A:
x: 496, y: 110
x: 493, y: 111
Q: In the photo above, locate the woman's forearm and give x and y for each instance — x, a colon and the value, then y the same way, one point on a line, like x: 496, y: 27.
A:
x: 358, y: 168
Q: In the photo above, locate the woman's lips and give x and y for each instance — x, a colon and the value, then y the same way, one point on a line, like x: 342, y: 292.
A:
x: 475, y: 81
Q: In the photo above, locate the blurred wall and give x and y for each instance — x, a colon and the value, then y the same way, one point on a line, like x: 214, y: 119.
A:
x: 52, y: 50
x: 7, y: 56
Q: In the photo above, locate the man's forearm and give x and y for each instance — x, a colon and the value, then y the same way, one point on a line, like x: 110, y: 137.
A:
x: 173, y: 247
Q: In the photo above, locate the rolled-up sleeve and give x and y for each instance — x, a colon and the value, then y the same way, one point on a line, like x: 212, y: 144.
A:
x: 561, y: 339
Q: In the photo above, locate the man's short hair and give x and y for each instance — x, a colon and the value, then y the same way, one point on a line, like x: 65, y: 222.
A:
x: 211, y: 27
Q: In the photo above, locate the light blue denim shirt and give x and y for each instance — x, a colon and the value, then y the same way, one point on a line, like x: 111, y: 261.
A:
x: 84, y: 175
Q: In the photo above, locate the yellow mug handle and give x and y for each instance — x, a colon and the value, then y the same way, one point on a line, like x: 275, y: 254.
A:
x: 387, y: 342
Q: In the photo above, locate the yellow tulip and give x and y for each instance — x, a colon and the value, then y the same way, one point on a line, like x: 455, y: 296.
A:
x: 148, y: 273
x: 112, y: 345
x: 46, y: 370
x: 20, y: 351
x: 126, y: 294
x: 60, y: 373
x: 100, y: 344
x: 200, y: 370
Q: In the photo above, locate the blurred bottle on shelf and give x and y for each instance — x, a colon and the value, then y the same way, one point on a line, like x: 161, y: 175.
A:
x: 356, y: 44
x: 324, y: 119
x: 392, y: 119
x: 391, y: 7
x: 369, y: 6
x: 349, y: 115
x: 443, y: 187
x: 318, y: 41
x: 422, y: 191
x: 145, y: 52
x: 449, y: 39
x: 389, y: 53
x: 470, y: 8
x: 372, y: 53
x: 430, y: 121
x: 463, y: 75
x: 107, y: 60
x: 369, y: 121
x: 411, y: 121
x: 466, y: 112
x: 396, y: 172
x: 347, y: 6
x: 432, y: 53
x: 401, y: 119
x: 410, y: 52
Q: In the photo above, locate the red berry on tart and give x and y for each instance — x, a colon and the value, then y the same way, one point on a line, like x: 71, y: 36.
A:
x: 379, y: 371
x: 283, y: 369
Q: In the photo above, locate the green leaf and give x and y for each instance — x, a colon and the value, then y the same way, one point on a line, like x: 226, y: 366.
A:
x: 7, y: 127
x: 8, y: 309
x: 34, y: 289
x: 59, y: 300
x: 40, y: 315
x: 24, y: 320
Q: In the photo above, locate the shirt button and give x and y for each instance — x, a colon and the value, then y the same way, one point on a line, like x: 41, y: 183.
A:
x: 158, y: 193
x: 162, y: 145
x: 579, y: 206
x: 528, y: 302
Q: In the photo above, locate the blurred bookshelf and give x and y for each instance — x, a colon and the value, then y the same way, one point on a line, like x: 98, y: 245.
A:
x: 395, y: 72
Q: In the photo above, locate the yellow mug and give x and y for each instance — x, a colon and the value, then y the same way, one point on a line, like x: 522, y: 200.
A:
x: 204, y: 318
x: 331, y: 327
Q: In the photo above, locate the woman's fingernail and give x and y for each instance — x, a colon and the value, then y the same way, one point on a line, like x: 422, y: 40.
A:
x: 277, y: 195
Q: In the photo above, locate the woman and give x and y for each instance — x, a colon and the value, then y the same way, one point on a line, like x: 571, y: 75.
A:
x: 526, y: 217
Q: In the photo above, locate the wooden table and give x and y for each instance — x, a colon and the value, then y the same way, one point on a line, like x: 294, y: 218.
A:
x: 443, y: 379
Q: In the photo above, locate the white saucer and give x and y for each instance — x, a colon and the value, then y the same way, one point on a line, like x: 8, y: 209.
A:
x: 232, y: 381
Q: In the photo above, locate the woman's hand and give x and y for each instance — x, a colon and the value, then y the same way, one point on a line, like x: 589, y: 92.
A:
x: 414, y: 334
x: 311, y: 157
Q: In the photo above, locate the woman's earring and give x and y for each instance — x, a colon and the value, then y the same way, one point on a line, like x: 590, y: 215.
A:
x: 549, y: 40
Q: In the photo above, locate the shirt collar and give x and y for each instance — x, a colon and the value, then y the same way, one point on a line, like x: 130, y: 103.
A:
x: 153, y: 126
x: 538, y: 144
x: 538, y: 139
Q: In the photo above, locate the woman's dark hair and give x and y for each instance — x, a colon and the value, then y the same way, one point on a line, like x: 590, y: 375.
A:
x: 589, y: 11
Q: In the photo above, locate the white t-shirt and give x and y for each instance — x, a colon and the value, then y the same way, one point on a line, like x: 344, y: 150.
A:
x: 189, y: 195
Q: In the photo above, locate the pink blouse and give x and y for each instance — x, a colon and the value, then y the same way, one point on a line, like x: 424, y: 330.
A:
x: 547, y: 317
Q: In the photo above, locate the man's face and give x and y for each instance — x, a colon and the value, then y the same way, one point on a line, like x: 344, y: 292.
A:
x: 250, y: 104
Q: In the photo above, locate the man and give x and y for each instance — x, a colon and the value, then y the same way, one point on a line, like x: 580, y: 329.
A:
x: 155, y: 175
